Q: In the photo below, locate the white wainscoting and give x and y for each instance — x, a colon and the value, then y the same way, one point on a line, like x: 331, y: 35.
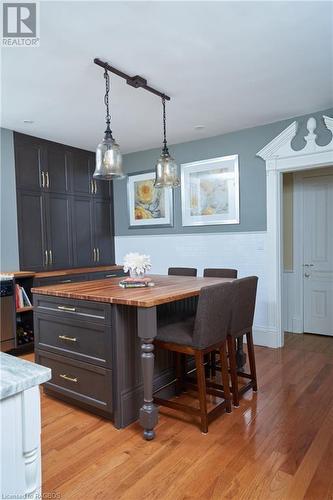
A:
x: 243, y: 251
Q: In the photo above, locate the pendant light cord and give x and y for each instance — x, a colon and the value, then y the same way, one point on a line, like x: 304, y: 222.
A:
x: 165, y: 147
x: 108, y: 131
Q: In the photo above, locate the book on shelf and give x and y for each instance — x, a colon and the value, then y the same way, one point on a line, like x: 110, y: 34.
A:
x: 21, y: 298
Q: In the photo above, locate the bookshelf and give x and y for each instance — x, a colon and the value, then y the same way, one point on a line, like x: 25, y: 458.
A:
x: 24, y: 314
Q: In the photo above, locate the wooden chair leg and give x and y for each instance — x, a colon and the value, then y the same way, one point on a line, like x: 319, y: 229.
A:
x: 233, y: 370
x: 179, y: 373
x: 212, y: 363
x: 252, y: 362
x: 225, y: 377
x: 202, y: 390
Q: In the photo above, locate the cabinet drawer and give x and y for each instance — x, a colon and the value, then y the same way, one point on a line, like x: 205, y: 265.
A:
x: 106, y: 274
x: 80, y: 381
x: 58, y: 280
x: 81, y: 340
x: 96, y: 312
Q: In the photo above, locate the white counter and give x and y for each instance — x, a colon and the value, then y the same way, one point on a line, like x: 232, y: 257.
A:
x: 20, y: 426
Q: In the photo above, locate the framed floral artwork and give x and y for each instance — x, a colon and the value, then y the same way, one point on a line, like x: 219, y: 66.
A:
x: 147, y: 205
x: 210, y: 191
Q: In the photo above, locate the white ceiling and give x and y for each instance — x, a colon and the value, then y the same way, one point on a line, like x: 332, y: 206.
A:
x: 226, y: 65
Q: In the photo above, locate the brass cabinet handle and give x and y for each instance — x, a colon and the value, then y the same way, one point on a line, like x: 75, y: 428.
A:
x: 66, y: 308
x: 46, y: 258
x: 95, y: 183
x: 70, y: 379
x: 97, y: 254
x: 94, y: 253
x: 47, y: 180
x: 64, y: 337
x: 51, y: 257
x: 43, y: 179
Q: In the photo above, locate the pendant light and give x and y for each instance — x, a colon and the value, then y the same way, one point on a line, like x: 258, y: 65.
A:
x: 166, y: 167
x: 108, y: 155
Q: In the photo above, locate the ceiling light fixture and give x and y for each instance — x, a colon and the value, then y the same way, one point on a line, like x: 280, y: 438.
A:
x: 108, y: 155
x: 166, y: 174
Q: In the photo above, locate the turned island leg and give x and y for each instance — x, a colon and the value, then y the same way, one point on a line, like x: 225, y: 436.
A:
x: 147, y: 329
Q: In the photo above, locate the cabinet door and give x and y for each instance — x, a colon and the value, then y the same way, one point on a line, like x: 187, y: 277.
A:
x: 59, y: 231
x: 82, y: 231
x: 100, y: 188
x: 29, y: 161
x: 103, y: 231
x: 57, y: 172
x: 32, y: 230
x: 81, y: 172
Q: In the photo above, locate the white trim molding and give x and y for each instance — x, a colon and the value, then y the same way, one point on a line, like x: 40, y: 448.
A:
x: 280, y: 157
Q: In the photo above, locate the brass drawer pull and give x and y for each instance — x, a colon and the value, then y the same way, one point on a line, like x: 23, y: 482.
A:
x: 70, y: 379
x: 64, y: 337
x: 66, y: 308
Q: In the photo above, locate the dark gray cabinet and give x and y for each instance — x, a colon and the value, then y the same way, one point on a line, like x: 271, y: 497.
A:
x: 31, y: 230
x: 82, y: 234
x: 101, y: 229
x: 65, y: 217
x: 30, y: 155
x: 59, y: 231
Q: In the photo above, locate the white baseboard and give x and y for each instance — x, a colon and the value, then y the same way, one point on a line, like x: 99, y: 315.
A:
x: 267, y: 338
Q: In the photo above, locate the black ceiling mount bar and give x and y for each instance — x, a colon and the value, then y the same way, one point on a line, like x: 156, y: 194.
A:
x: 136, y: 81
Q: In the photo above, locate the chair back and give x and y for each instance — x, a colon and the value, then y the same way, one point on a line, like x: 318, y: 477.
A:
x: 213, y: 315
x: 182, y: 271
x: 220, y: 273
x: 244, y: 301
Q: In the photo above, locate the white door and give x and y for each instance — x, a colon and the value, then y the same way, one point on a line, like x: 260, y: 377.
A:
x: 318, y: 255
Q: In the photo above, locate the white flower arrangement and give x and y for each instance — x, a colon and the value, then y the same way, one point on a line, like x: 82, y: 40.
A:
x: 134, y: 262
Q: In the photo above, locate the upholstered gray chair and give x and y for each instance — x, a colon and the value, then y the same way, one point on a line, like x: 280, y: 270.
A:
x: 182, y: 271
x: 199, y: 336
x: 244, y: 300
x: 220, y: 273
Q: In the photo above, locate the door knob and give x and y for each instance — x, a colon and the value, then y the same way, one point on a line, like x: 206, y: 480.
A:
x: 306, y: 275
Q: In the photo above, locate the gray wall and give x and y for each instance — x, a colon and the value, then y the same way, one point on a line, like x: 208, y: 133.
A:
x: 9, y: 258
x: 246, y: 143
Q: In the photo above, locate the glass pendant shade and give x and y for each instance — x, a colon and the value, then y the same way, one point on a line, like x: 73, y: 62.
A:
x: 166, y: 172
x: 108, y: 160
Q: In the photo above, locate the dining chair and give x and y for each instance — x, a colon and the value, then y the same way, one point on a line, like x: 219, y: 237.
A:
x: 244, y: 300
x: 182, y: 271
x: 197, y: 337
x: 220, y: 273
x: 217, y: 273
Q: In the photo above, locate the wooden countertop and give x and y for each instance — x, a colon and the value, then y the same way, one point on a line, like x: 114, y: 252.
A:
x: 166, y: 289
x: 77, y: 270
x: 20, y: 274
x: 64, y: 272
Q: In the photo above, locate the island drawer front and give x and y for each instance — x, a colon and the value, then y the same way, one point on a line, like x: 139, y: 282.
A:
x: 59, y: 280
x: 80, y: 381
x: 98, y: 312
x: 107, y: 274
x: 79, y: 339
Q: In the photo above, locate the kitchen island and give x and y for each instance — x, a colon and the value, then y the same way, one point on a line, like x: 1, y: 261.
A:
x: 98, y: 340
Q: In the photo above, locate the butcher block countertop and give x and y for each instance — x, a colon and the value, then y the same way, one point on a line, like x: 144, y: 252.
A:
x: 77, y: 270
x: 166, y: 289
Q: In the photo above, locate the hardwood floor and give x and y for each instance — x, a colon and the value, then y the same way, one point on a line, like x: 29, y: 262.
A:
x: 277, y: 445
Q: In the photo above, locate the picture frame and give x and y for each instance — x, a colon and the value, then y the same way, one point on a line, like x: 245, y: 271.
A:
x: 210, y: 191
x: 148, y: 206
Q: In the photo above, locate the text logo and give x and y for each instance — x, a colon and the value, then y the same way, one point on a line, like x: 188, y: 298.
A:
x: 20, y: 25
